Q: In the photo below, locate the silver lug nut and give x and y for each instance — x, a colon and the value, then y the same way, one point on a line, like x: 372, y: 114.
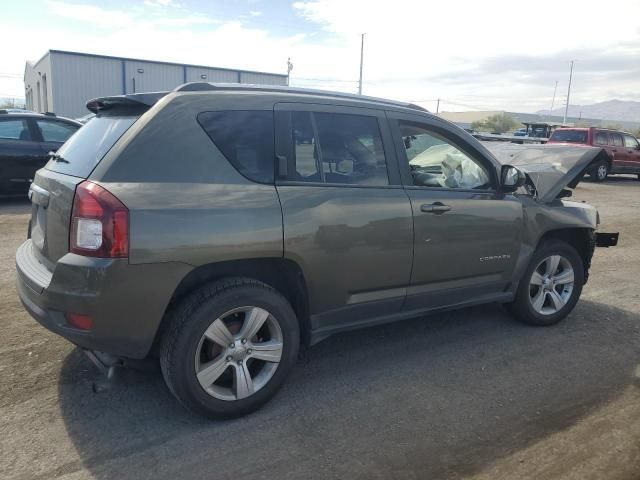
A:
x: 232, y: 345
x: 229, y: 358
x: 249, y: 352
x: 244, y: 340
x: 239, y: 362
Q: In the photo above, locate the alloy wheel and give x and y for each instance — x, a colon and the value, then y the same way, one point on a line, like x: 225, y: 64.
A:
x: 602, y: 172
x: 551, y: 285
x: 238, y: 353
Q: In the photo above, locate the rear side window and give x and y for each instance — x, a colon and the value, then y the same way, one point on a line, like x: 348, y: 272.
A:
x: 338, y: 148
x: 245, y: 138
x: 85, y: 149
x: 17, y: 129
x: 601, y: 138
x: 617, y: 140
x: 569, y: 136
x: 630, y: 142
x: 55, y: 131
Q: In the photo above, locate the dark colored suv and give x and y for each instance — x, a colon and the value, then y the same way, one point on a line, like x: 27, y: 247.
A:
x: 623, y: 149
x: 26, y: 139
x: 218, y: 227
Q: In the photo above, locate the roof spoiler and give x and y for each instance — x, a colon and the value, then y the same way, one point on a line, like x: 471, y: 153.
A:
x: 134, y: 100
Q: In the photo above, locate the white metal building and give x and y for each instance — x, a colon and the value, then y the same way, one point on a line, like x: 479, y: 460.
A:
x: 62, y: 82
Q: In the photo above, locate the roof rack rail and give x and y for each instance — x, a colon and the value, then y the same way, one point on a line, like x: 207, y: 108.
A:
x: 2, y: 110
x: 208, y: 86
x: 50, y: 114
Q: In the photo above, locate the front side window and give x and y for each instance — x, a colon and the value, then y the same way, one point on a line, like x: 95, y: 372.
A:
x: 55, y: 131
x: 436, y: 162
x: 601, y: 138
x: 617, y: 140
x: 338, y: 148
x: 245, y: 138
x: 630, y: 142
x: 17, y: 129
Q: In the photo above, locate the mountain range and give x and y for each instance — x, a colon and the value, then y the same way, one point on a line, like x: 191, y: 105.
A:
x: 623, y: 110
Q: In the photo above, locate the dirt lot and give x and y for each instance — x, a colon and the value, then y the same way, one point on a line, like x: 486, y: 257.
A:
x: 465, y: 394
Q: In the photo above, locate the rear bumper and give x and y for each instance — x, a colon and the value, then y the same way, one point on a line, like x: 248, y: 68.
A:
x: 126, y: 302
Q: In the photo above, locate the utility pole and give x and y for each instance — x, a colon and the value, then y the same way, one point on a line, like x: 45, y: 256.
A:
x: 566, y: 108
x: 361, y: 61
x: 553, y: 100
x: 438, y: 107
x: 289, y: 68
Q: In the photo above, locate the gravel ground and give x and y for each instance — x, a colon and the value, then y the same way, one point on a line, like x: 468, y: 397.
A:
x: 469, y: 394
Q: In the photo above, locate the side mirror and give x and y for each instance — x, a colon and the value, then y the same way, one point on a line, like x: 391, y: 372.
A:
x: 511, y: 178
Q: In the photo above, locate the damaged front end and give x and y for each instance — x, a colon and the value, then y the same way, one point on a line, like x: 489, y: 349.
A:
x: 550, y: 169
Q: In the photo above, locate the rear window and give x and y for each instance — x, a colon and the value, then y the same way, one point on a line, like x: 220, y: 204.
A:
x: 53, y: 131
x: 245, y: 138
x: 569, y: 136
x: 82, y: 152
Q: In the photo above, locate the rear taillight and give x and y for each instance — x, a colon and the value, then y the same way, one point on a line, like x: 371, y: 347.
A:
x: 99, y: 223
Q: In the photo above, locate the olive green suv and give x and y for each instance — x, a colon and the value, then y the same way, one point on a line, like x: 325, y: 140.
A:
x: 219, y: 227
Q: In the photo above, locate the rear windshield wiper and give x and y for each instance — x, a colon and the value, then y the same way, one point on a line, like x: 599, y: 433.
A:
x: 57, y: 158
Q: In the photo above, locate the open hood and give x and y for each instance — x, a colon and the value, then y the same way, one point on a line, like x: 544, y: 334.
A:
x: 550, y: 168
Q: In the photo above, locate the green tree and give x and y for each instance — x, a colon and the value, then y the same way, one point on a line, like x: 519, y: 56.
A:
x: 498, y: 123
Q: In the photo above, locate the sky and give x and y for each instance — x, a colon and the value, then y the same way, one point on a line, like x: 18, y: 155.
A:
x: 470, y: 54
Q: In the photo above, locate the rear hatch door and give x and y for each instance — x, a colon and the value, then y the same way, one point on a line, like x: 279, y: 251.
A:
x: 53, y: 188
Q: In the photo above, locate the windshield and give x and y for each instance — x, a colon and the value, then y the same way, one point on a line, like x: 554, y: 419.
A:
x: 82, y: 152
x: 569, y: 136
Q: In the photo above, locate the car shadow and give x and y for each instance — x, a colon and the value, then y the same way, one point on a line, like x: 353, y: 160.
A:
x: 14, y: 205
x: 622, y: 179
x: 433, y: 397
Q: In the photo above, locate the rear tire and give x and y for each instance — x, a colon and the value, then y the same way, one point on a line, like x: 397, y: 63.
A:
x: 600, y: 172
x: 551, y: 285
x: 229, y: 347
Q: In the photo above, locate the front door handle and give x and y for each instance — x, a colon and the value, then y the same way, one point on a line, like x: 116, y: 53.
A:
x: 437, y: 208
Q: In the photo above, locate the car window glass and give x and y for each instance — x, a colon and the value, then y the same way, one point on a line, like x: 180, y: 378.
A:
x: 630, y: 142
x: 55, y: 131
x: 305, y: 149
x: 617, y: 140
x: 601, y: 138
x: 569, y: 136
x: 245, y: 138
x: 436, y: 162
x: 17, y: 129
x: 347, y: 149
x: 83, y: 151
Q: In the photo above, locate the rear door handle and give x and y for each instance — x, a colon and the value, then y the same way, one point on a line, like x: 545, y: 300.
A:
x: 437, y: 208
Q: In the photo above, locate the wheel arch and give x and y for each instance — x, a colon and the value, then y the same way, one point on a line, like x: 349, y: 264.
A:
x: 282, y: 274
x: 580, y: 238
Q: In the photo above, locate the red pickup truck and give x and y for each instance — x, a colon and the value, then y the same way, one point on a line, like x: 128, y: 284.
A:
x: 622, y: 148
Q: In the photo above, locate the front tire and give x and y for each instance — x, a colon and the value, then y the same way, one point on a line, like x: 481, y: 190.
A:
x: 551, y: 285
x: 229, y: 347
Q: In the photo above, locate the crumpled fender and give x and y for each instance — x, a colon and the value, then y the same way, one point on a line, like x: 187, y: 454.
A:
x: 550, y: 168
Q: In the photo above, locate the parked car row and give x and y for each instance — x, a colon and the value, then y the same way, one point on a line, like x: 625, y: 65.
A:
x: 26, y: 138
